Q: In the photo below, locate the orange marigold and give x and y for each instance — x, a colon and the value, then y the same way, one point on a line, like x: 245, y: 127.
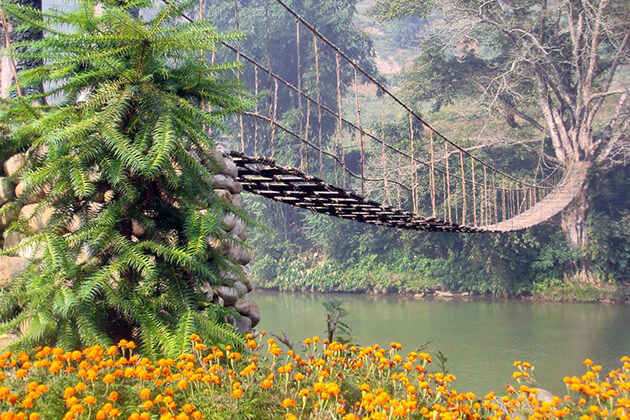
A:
x: 145, y: 393
x: 288, y: 403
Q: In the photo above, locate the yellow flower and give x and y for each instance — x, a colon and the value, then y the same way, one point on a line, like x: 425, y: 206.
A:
x: 145, y: 394
x: 89, y: 400
x: 288, y: 403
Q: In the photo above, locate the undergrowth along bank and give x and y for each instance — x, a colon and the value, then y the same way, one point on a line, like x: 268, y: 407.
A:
x: 316, y: 273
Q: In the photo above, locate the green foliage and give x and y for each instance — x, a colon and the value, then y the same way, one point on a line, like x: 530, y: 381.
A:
x: 609, y: 225
x: 124, y: 144
x: 397, y: 9
x: 337, y: 330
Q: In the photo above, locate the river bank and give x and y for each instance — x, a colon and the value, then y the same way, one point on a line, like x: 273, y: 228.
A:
x: 565, y: 294
x: 430, y: 279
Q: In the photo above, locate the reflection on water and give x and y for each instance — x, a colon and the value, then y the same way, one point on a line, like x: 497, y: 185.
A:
x: 481, y: 338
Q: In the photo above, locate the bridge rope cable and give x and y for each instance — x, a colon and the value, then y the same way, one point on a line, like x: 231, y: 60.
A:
x: 355, y: 126
x: 329, y: 154
x: 365, y: 73
x: 328, y: 110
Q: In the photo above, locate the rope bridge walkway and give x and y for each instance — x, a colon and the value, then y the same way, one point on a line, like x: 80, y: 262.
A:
x: 346, y: 143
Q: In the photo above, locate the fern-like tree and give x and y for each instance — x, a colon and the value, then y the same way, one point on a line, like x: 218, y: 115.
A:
x: 121, y: 147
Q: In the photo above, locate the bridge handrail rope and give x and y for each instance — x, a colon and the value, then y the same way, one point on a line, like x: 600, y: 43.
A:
x: 331, y: 155
x: 365, y: 73
x: 338, y: 52
x: 241, y: 55
x: 344, y: 120
x: 324, y: 107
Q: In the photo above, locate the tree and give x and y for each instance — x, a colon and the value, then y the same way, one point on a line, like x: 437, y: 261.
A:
x: 558, y: 67
x: 123, y: 155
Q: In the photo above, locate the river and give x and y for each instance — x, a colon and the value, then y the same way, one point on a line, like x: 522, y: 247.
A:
x: 480, y: 338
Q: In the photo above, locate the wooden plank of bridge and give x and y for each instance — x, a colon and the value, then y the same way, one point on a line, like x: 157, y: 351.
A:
x: 259, y: 176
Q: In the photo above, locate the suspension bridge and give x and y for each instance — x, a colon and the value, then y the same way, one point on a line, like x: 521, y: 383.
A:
x: 349, y: 166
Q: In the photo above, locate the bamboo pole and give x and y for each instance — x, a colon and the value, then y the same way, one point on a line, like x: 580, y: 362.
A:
x: 319, y: 108
x: 340, y: 122
x: 238, y: 74
x: 274, y: 114
x: 448, y: 183
x: 503, y: 208
x: 357, y: 104
x: 474, y: 191
x: 306, y: 134
x: 299, y: 91
x: 486, y: 202
x: 414, y: 198
x: 463, y: 173
x: 383, y: 161
x: 256, y: 111
x: 444, y: 195
x: 432, y: 174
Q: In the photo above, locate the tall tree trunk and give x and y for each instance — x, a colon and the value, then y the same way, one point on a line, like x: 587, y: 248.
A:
x: 6, y: 70
x: 574, y: 220
x: 574, y: 227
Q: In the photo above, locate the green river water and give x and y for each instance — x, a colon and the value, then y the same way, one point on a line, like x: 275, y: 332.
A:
x: 480, y: 338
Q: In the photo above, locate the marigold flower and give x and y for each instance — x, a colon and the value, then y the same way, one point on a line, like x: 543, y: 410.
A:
x: 147, y: 405
x: 183, y: 384
x: 109, y: 378
x: 144, y: 394
x: 288, y: 403
x: 89, y: 400
x: 113, y: 396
